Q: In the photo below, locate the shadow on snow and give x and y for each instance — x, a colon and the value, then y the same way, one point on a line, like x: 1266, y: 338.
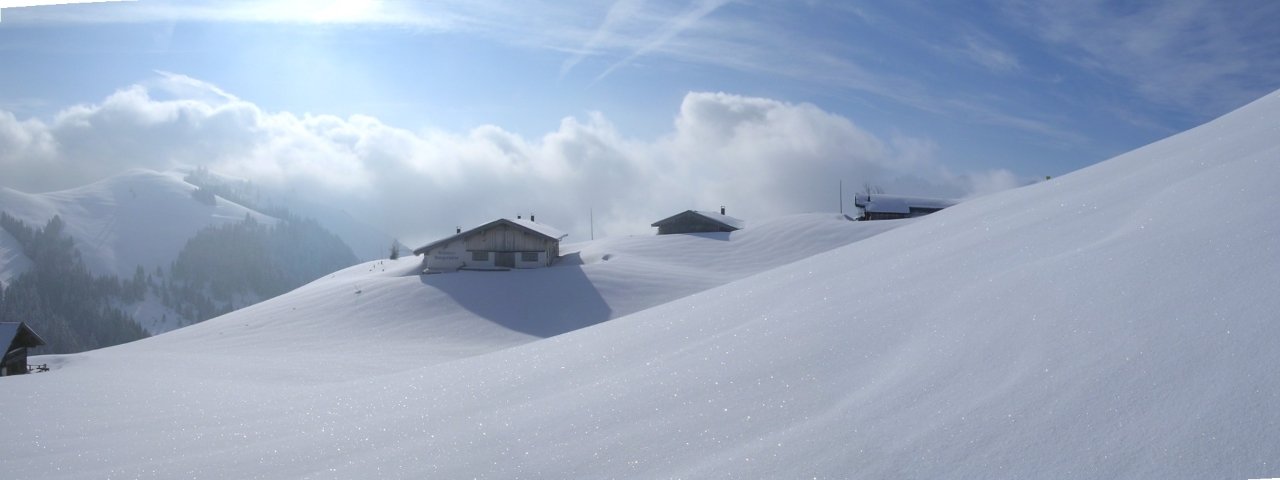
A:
x: 543, y: 302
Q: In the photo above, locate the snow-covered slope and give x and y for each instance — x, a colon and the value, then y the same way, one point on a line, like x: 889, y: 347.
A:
x: 141, y: 217
x: 1114, y: 322
x: 381, y: 316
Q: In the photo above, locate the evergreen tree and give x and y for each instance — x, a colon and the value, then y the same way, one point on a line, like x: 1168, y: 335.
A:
x: 71, y: 308
x: 232, y: 265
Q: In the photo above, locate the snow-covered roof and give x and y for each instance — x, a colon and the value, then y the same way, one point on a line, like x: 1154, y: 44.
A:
x: 529, y: 225
x: 25, y: 336
x: 545, y: 230
x: 715, y: 217
x: 881, y: 203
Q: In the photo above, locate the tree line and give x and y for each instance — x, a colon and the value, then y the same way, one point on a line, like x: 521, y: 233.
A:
x: 220, y: 269
x: 71, y: 308
x: 233, y: 265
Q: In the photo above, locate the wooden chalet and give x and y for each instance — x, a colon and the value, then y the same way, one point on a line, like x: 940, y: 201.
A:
x: 502, y: 244
x: 878, y: 206
x: 697, y: 221
x: 17, y: 338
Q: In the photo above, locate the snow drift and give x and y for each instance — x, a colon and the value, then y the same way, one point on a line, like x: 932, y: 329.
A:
x: 1115, y: 322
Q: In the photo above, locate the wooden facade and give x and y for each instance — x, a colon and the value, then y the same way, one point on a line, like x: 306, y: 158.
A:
x: 697, y: 221
x: 502, y: 244
x: 18, y: 338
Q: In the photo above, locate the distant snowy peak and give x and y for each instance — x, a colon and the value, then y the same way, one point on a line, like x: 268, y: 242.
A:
x: 140, y: 217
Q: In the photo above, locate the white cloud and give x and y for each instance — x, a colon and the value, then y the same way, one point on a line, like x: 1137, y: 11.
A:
x: 759, y: 157
x: 25, y: 146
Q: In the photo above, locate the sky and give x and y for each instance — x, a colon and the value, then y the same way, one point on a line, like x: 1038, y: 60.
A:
x: 423, y: 116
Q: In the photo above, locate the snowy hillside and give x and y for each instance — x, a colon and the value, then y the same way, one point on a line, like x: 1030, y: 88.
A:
x: 141, y: 217
x: 1115, y: 322
x: 145, y: 218
x: 382, y: 316
x: 12, y: 261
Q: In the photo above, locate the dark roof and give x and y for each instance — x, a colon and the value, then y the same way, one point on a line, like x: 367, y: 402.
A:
x: 881, y: 203
x: 18, y: 335
x: 713, y: 217
x: 521, y: 224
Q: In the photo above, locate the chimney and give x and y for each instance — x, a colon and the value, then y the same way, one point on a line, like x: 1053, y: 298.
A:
x: 459, y: 230
x: 722, y: 209
x: 531, y: 218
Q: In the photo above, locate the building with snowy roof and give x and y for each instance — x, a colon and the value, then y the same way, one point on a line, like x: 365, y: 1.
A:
x: 17, y: 338
x: 878, y: 206
x: 697, y: 221
x: 502, y: 244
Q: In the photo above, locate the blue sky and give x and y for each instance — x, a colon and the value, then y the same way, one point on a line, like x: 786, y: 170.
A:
x: 954, y: 98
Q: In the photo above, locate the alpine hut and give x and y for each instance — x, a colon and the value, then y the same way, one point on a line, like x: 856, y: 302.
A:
x: 502, y: 244
x: 17, y: 337
x: 878, y: 206
x: 697, y: 221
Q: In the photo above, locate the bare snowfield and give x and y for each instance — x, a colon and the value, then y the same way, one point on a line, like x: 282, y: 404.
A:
x: 1117, y: 322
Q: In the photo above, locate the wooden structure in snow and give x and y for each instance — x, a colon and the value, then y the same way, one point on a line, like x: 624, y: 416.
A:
x: 697, y: 221
x: 17, y: 337
x: 502, y: 244
x: 878, y: 206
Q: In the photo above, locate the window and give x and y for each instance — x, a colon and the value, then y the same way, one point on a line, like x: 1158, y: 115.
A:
x: 479, y: 256
x: 528, y: 256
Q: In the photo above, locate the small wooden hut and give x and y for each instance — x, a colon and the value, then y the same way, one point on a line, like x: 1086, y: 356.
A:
x: 502, y: 244
x: 17, y: 338
x: 697, y: 221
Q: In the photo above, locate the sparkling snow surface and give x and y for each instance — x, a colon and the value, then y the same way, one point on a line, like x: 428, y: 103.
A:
x: 1117, y: 322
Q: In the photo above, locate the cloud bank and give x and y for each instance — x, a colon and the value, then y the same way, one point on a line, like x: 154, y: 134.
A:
x: 759, y: 157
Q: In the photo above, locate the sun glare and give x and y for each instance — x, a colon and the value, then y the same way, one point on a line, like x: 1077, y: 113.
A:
x: 345, y: 11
